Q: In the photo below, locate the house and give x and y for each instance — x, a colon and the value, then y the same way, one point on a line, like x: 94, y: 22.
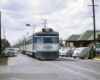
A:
x: 83, y: 39
x: 4, y: 43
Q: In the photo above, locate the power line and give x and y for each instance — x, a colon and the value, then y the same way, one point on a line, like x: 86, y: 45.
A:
x: 58, y: 6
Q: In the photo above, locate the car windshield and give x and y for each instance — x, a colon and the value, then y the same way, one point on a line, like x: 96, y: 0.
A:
x: 78, y: 49
x: 11, y: 49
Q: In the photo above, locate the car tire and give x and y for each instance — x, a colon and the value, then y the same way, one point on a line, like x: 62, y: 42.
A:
x: 70, y: 55
x: 81, y: 57
x: 74, y: 57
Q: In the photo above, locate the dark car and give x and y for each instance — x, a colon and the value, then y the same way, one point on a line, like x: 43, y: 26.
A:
x: 69, y: 52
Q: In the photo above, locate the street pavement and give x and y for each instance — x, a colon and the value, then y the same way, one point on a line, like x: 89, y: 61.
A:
x: 24, y: 67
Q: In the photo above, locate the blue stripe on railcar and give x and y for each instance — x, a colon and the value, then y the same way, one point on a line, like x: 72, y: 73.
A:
x: 29, y: 52
x: 46, y: 34
x: 47, y: 55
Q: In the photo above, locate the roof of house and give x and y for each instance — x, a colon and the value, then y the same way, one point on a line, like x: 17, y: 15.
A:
x: 96, y: 36
x: 73, y: 38
x: 88, y: 35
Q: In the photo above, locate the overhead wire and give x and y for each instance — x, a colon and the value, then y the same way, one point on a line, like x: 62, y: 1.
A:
x: 58, y: 6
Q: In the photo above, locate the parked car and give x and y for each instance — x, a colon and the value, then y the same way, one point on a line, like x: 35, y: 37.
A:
x: 62, y: 52
x: 9, y: 52
x: 81, y: 52
x: 16, y: 50
x: 69, y: 52
x: 98, y: 50
x: 66, y: 52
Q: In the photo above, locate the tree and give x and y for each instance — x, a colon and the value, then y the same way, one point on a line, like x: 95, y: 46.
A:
x: 91, y: 50
x: 61, y: 43
x: 8, y: 44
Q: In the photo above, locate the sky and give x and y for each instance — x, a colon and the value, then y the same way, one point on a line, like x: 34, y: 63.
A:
x: 65, y: 16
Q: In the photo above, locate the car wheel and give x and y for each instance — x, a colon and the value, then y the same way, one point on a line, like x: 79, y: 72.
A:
x: 81, y: 57
x: 13, y: 55
x: 70, y: 55
x: 74, y: 57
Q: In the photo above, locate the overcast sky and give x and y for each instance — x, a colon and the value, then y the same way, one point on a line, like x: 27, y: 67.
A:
x: 65, y: 16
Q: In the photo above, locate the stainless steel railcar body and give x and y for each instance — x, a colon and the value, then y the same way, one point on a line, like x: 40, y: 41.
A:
x: 43, y: 44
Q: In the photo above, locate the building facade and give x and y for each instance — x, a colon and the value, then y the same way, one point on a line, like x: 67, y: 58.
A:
x: 83, y: 39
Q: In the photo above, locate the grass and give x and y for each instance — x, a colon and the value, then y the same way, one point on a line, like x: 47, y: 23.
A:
x: 97, y: 57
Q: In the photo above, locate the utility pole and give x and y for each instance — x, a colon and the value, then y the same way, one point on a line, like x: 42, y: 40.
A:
x: 19, y: 44
x: 45, y: 22
x: 93, y: 7
x: 0, y: 34
x: 4, y: 38
x: 4, y: 33
x: 34, y: 28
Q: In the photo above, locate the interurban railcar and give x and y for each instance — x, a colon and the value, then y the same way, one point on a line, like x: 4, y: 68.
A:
x: 42, y: 45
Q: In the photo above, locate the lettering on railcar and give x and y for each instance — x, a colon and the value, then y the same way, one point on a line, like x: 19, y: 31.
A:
x: 48, y: 47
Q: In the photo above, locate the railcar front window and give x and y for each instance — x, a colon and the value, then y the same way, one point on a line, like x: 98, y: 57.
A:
x: 51, y: 40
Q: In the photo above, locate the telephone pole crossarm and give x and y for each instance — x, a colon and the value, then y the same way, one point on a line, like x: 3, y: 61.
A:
x: 45, y: 22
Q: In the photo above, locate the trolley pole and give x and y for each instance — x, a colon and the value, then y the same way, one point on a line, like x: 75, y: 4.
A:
x: 93, y: 7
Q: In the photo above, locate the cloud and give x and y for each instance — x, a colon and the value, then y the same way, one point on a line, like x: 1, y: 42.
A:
x: 65, y: 16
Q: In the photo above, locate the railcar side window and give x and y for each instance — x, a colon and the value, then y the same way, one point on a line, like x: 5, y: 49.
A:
x: 39, y: 40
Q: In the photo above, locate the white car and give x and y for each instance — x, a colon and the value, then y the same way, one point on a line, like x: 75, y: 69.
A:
x: 9, y: 52
x: 16, y: 50
x: 98, y: 50
x: 81, y: 52
x: 62, y: 52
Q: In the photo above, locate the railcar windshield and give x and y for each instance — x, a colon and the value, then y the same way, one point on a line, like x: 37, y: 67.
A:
x: 47, y: 40
x: 51, y: 40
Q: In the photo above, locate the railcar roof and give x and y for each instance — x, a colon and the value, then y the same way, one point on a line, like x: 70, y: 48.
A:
x: 40, y: 32
x: 52, y: 32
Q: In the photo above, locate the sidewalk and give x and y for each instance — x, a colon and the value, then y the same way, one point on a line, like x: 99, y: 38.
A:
x: 1, y: 53
x: 3, y: 61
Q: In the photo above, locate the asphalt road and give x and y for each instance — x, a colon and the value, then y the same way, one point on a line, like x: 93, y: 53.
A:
x: 23, y: 67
